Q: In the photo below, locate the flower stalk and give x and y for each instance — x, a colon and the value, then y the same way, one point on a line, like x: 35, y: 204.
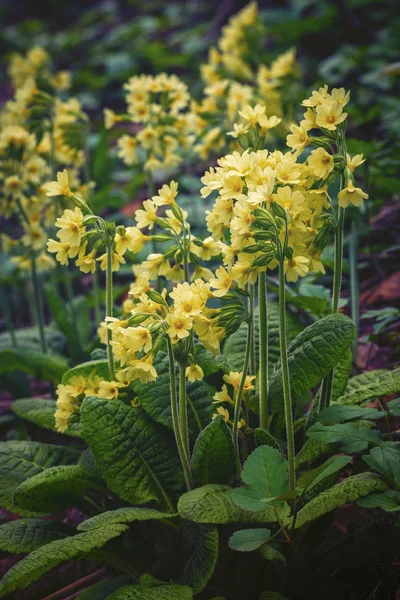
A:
x: 109, y: 308
x: 263, y: 351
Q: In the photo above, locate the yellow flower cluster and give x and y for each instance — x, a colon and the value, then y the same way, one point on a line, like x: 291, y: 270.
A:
x: 36, y: 63
x: 71, y: 395
x: 160, y: 109
x: 233, y: 380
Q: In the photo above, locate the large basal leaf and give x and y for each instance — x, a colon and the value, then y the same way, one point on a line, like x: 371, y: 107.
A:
x: 312, y: 450
x: 20, y: 460
x: 381, y: 384
x: 248, y: 540
x: 209, y: 362
x: 386, y: 460
x: 348, y: 490
x: 135, y: 458
x: 202, y: 548
x: 273, y: 555
x: 32, y: 567
x: 235, y: 345
x: 314, y: 352
x: 26, y: 535
x: 339, y: 413
x: 213, y: 504
x: 213, y: 459
x: 45, y: 366
x: 342, y: 374
x: 349, y: 436
x: 156, y: 591
x: 263, y: 437
x: 129, y: 514
x: 266, y: 474
x: 56, y: 487
x: 388, y: 501
x: 29, y: 339
x: 88, y: 369
x: 63, y: 318
x: 156, y: 400
x: 103, y: 589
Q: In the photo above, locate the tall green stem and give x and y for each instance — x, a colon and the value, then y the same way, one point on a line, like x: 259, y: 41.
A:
x: 286, y: 378
x: 96, y: 297
x: 253, y: 362
x: 327, y: 384
x: 175, y: 417
x: 38, y: 303
x: 183, y: 418
x: 354, y: 289
x: 263, y: 350
x: 239, y: 395
x: 109, y: 309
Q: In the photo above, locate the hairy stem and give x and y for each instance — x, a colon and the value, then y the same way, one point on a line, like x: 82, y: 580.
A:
x: 286, y: 378
x: 354, y: 290
x: 7, y: 316
x: 183, y: 418
x: 175, y: 417
x: 263, y: 350
x: 253, y: 362
x: 97, y: 315
x: 109, y: 309
x: 239, y: 395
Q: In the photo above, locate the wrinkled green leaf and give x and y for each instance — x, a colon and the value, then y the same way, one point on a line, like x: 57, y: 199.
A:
x: 380, y: 384
x: 25, y: 535
x: 202, y: 549
x: 350, y: 437
x: 213, y: 459
x: 129, y: 514
x: 248, y: 540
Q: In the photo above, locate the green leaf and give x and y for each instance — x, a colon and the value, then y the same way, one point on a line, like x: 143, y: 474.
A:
x: 378, y: 385
x: 263, y: 437
x: 128, y: 514
x: 202, y: 549
x: 386, y: 460
x: 213, y: 504
x: 135, y: 458
x: 350, y: 437
x: 348, y: 490
x: 209, y: 362
x: 234, y: 347
x: 103, y: 589
x: 266, y: 474
x: 394, y: 407
x: 36, y: 410
x: 342, y: 374
x: 320, y: 478
x: 61, y: 313
x: 153, y: 592
x: 52, y: 489
x: 248, y: 540
x: 339, y: 413
x: 314, y: 352
x: 38, y: 562
x: 25, y: 535
x: 213, y: 459
x: 273, y: 555
x: 29, y: 339
x: 312, y: 450
x: 87, y: 370
x: 45, y: 366
x: 20, y: 460
x: 389, y: 501
x: 155, y: 398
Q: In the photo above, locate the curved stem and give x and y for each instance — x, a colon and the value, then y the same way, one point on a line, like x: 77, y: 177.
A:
x: 109, y: 309
x: 175, y: 417
x: 354, y: 288
x: 286, y: 378
x: 239, y: 395
x: 263, y: 350
x: 183, y: 419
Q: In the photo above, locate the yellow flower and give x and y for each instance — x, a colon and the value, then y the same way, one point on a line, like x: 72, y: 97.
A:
x: 142, y: 370
x: 298, y: 138
x: 296, y: 267
x: 354, y: 162
x: 222, y: 282
x: 109, y: 389
x: 289, y: 200
x: 321, y: 163
x: 127, y: 149
x: 116, y: 261
x: 166, y: 195
x: 86, y: 262
x: 222, y: 396
x: 70, y: 224
x: 110, y: 118
x: 329, y: 114
x: 223, y: 412
x: 63, y: 251
x: 187, y: 300
x: 146, y: 217
x: 252, y: 115
x: 59, y: 187
x: 180, y: 325
x: 351, y: 195
x: 194, y: 373
x: 137, y: 339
